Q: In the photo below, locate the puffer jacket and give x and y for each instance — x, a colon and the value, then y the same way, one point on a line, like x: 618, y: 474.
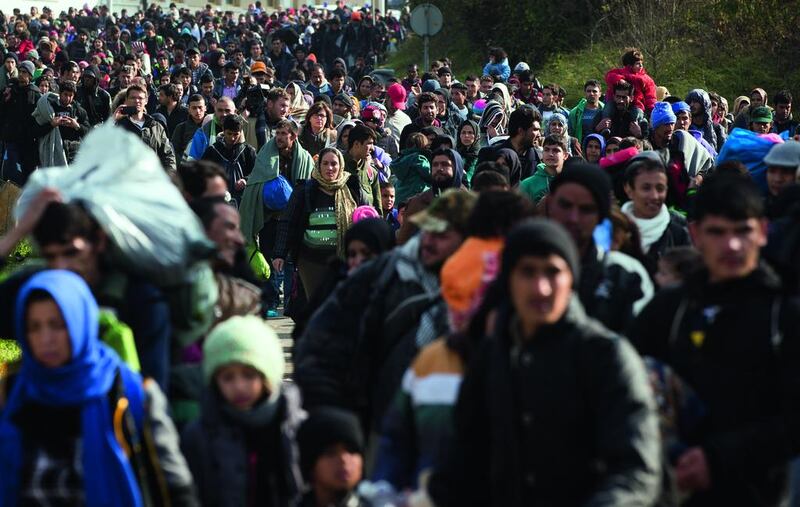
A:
x: 644, y: 88
x: 564, y: 419
x: 359, y: 343
x: 613, y: 288
x: 713, y: 133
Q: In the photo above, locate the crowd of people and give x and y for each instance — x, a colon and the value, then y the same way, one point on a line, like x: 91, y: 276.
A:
x: 497, y: 300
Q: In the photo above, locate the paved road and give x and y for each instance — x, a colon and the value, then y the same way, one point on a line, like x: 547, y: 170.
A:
x: 283, y: 326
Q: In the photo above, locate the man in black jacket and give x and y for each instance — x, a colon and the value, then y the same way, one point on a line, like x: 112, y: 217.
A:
x: 169, y: 97
x: 732, y: 335
x: 359, y: 343
x: 614, y: 287
x: 16, y: 106
x: 69, y: 118
x: 94, y: 100
x: 235, y: 156
x: 554, y: 409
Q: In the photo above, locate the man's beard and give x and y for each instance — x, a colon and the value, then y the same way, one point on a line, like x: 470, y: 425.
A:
x: 440, y: 184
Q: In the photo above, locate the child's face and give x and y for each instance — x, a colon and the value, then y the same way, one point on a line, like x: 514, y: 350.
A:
x: 666, y: 276
x: 240, y: 385
x: 338, y: 470
x: 387, y: 198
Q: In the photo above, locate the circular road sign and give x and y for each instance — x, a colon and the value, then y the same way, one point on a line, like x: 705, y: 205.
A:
x: 426, y: 20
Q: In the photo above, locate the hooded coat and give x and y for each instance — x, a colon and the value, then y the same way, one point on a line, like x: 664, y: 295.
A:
x: 452, y: 118
x: 469, y: 153
x: 713, y: 133
x: 421, y: 201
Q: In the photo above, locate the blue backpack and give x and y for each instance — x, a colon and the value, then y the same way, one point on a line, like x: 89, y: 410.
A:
x: 276, y: 193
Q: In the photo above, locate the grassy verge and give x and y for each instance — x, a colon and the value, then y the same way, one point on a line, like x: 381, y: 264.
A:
x: 466, y: 60
x: 9, y: 351
x: 679, y: 71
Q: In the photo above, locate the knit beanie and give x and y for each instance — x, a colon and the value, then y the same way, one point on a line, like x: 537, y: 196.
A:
x: 681, y: 106
x: 245, y: 340
x: 430, y: 85
x: 662, y: 114
x: 27, y: 67
x: 590, y: 176
x: 376, y: 233
x: 327, y: 426
x: 539, y: 237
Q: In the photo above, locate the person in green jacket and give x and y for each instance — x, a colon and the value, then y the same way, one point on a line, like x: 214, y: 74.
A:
x: 581, y: 117
x: 411, y: 173
x: 554, y: 155
x: 358, y: 161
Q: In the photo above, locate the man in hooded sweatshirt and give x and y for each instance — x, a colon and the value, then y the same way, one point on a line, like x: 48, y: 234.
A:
x: 93, y: 99
x: 700, y: 104
x: 447, y: 171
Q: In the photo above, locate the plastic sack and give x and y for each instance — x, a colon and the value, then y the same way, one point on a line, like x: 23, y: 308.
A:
x: 750, y: 149
x: 258, y: 263
x: 120, y: 181
x: 276, y: 193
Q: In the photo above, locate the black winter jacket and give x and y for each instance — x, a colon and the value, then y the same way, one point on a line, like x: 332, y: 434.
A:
x: 359, y: 343
x: 613, y: 288
x: 676, y: 234
x: 564, y: 419
x: 237, y: 161
x: 737, y: 343
x: 217, y: 451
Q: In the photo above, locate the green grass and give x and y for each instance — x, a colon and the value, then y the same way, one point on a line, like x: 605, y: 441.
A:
x: 680, y: 70
x: 465, y: 59
x: 9, y: 351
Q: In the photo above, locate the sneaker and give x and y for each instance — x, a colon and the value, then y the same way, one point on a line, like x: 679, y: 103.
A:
x: 272, y: 313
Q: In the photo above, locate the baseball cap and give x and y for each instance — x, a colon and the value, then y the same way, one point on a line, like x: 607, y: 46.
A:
x: 397, y: 94
x: 450, y: 210
x: 761, y: 114
x: 258, y: 67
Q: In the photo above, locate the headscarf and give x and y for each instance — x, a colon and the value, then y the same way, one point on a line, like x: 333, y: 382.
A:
x: 83, y: 382
x: 375, y: 233
x: 345, y: 124
x: 738, y: 102
x: 344, y: 204
x: 490, y: 112
x: 598, y: 138
x: 473, y: 149
x: 560, y: 118
x: 299, y: 107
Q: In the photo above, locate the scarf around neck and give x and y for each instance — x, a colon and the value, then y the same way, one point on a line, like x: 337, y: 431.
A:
x: 85, y: 381
x: 650, y: 229
x: 344, y: 202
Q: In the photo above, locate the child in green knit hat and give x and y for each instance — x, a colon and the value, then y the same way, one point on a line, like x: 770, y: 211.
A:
x: 242, y: 450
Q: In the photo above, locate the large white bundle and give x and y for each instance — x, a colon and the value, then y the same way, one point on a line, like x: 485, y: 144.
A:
x: 122, y: 184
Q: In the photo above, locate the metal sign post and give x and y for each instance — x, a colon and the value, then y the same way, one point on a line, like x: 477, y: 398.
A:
x: 426, y: 21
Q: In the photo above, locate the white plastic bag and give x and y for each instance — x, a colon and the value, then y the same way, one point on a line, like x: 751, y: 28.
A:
x: 122, y: 184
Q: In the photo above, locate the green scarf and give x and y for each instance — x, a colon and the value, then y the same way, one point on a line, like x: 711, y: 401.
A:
x: 344, y: 204
x: 267, y: 168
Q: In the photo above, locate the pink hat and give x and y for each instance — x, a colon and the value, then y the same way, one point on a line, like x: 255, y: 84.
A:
x: 364, y: 212
x: 397, y: 94
x: 83, y: 64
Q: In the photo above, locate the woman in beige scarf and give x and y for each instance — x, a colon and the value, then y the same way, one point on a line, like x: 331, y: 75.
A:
x: 298, y: 107
x: 311, y: 228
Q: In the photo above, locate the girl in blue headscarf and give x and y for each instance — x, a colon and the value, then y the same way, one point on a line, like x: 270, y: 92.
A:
x: 72, y: 431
